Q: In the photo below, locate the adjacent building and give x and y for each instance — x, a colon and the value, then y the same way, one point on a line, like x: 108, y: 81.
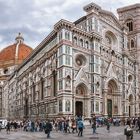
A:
x: 10, y: 58
x: 82, y: 67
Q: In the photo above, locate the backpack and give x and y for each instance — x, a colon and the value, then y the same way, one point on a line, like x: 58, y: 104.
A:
x: 125, y: 131
x: 46, y: 131
x: 128, y: 132
x: 80, y: 124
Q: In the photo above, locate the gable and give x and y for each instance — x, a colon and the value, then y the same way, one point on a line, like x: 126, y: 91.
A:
x: 111, y: 71
x: 110, y: 17
x: 81, y: 77
x: 129, y: 89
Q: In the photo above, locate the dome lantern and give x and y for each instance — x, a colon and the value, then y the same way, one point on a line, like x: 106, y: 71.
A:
x: 19, y: 38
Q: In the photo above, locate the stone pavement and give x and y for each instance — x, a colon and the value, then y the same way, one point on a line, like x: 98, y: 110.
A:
x: 116, y: 133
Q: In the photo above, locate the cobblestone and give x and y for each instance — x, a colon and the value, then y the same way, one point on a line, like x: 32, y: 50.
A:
x: 116, y: 133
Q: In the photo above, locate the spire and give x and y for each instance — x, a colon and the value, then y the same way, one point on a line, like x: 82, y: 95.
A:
x: 19, y: 38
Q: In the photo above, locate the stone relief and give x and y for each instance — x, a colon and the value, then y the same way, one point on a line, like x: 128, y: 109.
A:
x: 79, y: 90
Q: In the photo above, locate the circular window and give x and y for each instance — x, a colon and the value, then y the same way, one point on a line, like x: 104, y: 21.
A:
x: 80, y: 60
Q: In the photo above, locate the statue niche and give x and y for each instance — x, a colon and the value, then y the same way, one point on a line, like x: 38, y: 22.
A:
x: 68, y: 82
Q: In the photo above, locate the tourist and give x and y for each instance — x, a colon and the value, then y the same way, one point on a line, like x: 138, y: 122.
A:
x: 56, y: 125
x: 48, y: 128
x: 73, y: 126
x: 138, y: 125
x: 8, y: 126
x: 0, y: 126
x: 94, y: 124
x: 108, y: 125
x: 128, y: 130
x: 15, y: 125
x: 80, y: 127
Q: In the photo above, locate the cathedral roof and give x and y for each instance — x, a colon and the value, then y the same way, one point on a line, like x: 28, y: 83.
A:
x: 16, y: 53
x: 127, y: 8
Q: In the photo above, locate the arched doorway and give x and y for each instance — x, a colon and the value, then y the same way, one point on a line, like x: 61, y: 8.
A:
x: 130, y: 99
x: 80, y: 100
x: 79, y: 108
x: 112, y: 99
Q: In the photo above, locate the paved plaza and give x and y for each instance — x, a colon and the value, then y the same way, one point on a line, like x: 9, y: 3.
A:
x: 116, y: 133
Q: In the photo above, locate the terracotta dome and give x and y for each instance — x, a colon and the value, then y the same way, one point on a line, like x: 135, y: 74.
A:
x: 16, y: 53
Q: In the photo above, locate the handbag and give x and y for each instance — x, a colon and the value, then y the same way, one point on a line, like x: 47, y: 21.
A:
x: 125, y: 131
x: 74, y: 126
x: 46, y: 131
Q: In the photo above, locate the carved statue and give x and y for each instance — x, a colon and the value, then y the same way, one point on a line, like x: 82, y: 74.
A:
x: 68, y: 82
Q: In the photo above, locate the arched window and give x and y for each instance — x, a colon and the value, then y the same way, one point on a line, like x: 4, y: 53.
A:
x: 54, y: 83
x: 60, y: 105
x: 129, y: 24
x: 67, y: 106
x: 87, y: 44
x: 132, y: 44
x: 67, y: 35
x: 75, y: 40
x: 97, y: 106
x: 130, y: 98
x: 81, y: 42
x: 33, y: 91
x: 116, y: 109
x: 93, y: 107
x: 130, y: 78
x: 42, y: 88
x: 97, y: 86
x: 60, y: 36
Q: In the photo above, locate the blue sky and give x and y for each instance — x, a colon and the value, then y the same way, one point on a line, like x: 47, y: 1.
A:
x: 35, y: 18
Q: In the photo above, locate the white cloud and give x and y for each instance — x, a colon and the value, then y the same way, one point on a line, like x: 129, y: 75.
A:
x: 35, y: 18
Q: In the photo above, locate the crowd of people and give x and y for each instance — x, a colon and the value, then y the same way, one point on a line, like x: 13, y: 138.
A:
x: 67, y: 125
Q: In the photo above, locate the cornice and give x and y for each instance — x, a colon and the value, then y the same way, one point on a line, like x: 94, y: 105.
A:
x: 71, y: 26
x: 130, y: 7
x: 63, y: 23
x: 81, y: 32
x: 37, y: 49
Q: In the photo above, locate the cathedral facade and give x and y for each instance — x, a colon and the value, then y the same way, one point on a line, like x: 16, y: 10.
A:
x: 86, y: 67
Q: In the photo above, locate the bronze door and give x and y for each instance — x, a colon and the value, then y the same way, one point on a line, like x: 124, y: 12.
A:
x: 79, y: 108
